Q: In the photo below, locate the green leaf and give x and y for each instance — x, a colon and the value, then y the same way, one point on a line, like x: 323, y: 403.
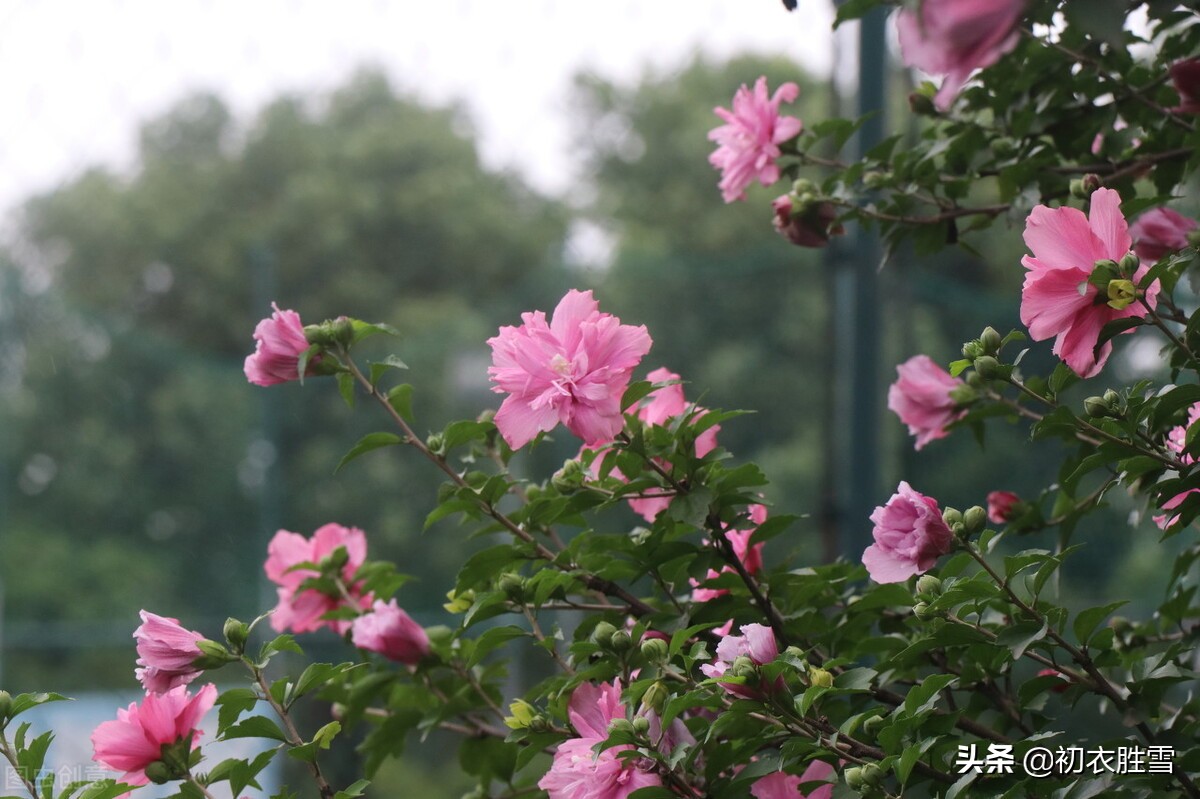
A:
x: 367, y: 443
x: 305, y: 357
x: 400, y: 398
x: 1019, y: 636
x: 280, y: 643
x: 346, y: 388
x: 354, y: 790
x: 379, y: 368
x: 365, y: 329
x: 957, y: 367
x: 324, y: 737
x: 636, y: 391
x: 255, y: 727
x: 105, y: 789
x: 233, y: 703
x: 32, y: 756
x: 923, y: 696
x: 316, y: 675
x: 495, y: 637
x: 1087, y: 620
x: 23, y: 702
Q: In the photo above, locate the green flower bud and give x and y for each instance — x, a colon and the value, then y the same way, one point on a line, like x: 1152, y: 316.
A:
x: 539, y: 724
x: 603, y: 633
x: 854, y: 778
x: 991, y: 340
x: 436, y: 443
x: 621, y: 641
x: 319, y: 335
x: 820, y: 677
x: 513, y: 585
x: 974, y: 519
x: 921, y: 104
x: 929, y: 586
x: 621, y: 725
x: 641, y: 725
x: 743, y: 666
x: 159, y: 772
x: 804, y: 186
x: 1091, y: 182
x: 1129, y: 264
x: 988, y: 367
x: 951, y: 516
x: 875, y: 180
x: 459, y: 603
x: 522, y: 716
x: 214, y: 655
x: 972, y: 350
x: 873, y: 725
x: 236, y: 632
x: 569, y: 478
x: 922, y: 611
x: 1121, y: 294
x: 963, y: 395
x: 655, y: 650
x: 1116, y: 402
x: 1096, y: 407
x: 5, y: 707
x: 974, y: 380
x: 872, y: 775
x: 656, y: 697
x: 1077, y: 189
x: 488, y: 415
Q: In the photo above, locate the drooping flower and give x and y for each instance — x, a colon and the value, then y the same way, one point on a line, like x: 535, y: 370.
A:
x: 748, y: 142
x: 1000, y: 506
x: 910, y: 535
x: 1177, y: 442
x: 572, y: 369
x: 278, y: 344
x: 166, y: 653
x: 955, y: 37
x: 300, y: 610
x: 1185, y: 76
x: 136, y: 738
x: 807, y: 226
x: 781, y: 785
x: 1058, y: 300
x: 391, y: 632
x: 750, y: 556
x: 756, y: 644
x: 921, y: 398
x: 1160, y: 231
x: 577, y: 772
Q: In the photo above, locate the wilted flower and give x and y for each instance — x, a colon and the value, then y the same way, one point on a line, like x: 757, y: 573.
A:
x: 921, y: 398
x: 910, y: 536
x: 573, y: 369
x: 137, y: 737
x: 391, y: 632
x: 166, y: 653
x: 748, y: 142
x: 300, y: 610
x: 955, y: 37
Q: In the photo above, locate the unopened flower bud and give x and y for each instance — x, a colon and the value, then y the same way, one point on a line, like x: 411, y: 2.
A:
x: 963, y: 395
x: 974, y: 380
x: 522, y: 716
x: 621, y: 641
x: 972, y: 350
x: 236, y: 632
x: 569, y: 478
x: 213, y: 656
x: 1095, y: 407
x: 655, y: 650
x: 988, y: 367
x: 872, y: 775
x: 436, y: 443
x: 742, y: 666
x: 487, y: 415
x: 952, y: 516
x: 621, y: 725
x: 923, y: 612
x: 921, y: 104
x: 512, y: 584
x: 873, y: 725
x: 854, y: 778
x: 991, y: 340
x: 875, y: 180
x: 820, y: 677
x: 5, y: 707
x: 1129, y: 264
x: 656, y: 697
x: 804, y: 186
x: 459, y: 603
x: 641, y: 725
x: 159, y: 772
x: 539, y: 724
x: 1115, y: 401
x: 928, y: 585
x: 1121, y: 294
x: 603, y: 633
x: 974, y: 519
x: 1091, y: 181
x: 1077, y: 189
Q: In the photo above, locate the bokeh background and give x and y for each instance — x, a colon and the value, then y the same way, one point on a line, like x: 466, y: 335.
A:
x: 170, y: 170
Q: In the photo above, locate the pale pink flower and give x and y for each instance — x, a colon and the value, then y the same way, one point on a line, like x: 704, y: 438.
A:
x: 1160, y: 231
x: 955, y: 37
x: 391, y: 632
x: 279, y: 343
x: 136, y: 738
x: 1057, y: 300
x: 166, y: 653
x: 748, y: 142
x: 921, y: 398
x: 1000, y: 506
x: 577, y: 772
x: 780, y: 785
x: 1185, y: 75
x: 300, y: 610
x: 757, y: 642
x: 1176, y: 442
x: 750, y: 556
x: 573, y: 369
x: 910, y: 536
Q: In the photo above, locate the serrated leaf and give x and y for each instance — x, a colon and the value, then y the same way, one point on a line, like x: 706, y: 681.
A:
x: 495, y: 637
x: 379, y: 368
x: 316, y: 675
x: 233, y: 703
x: 367, y: 443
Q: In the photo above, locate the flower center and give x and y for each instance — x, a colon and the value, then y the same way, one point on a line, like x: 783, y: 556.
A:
x: 1120, y: 294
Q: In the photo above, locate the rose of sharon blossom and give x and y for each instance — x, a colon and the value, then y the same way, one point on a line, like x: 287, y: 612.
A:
x: 921, y: 398
x: 748, y: 142
x: 135, y: 739
x: 166, y: 652
x: 1000, y: 505
x: 1057, y: 301
x: 910, y: 536
x: 780, y: 785
x: 578, y: 772
x: 1176, y: 442
x: 1160, y: 231
x: 1185, y: 75
x: 757, y: 642
x: 301, y: 610
x: 750, y: 556
x: 391, y: 632
x: 572, y: 369
x: 279, y: 343
x: 955, y: 37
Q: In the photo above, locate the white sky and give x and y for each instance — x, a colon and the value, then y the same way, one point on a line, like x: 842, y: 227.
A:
x: 77, y: 77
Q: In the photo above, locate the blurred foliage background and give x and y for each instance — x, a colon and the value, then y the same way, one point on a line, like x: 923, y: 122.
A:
x: 139, y: 469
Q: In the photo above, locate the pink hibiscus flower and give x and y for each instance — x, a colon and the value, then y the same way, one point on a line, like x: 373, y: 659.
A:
x: 748, y: 142
x: 300, y: 610
x: 921, y: 398
x: 750, y: 556
x: 137, y: 737
x: 1176, y: 441
x: 1057, y: 301
x: 573, y: 369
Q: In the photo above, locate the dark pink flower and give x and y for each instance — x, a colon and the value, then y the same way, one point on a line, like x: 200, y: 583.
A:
x: 1160, y: 231
x: 1185, y: 75
x: 572, y: 369
x: 955, y: 37
x: 166, y: 653
x: 391, y: 632
x: 1057, y: 299
x: 750, y: 556
x: 1000, y: 506
x: 300, y: 610
x: 577, y: 771
x: 805, y: 227
x: 780, y: 785
x: 910, y: 536
x: 136, y: 738
x: 748, y: 142
x: 1177, y: 442
x: 279, y: 343
x: 921, y: 398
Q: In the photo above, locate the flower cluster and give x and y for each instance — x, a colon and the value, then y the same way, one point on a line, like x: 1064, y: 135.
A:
x: 303, y: 609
